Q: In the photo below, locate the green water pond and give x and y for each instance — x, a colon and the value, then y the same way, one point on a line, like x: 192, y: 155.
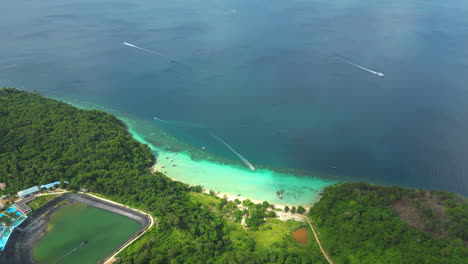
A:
x: 70, y: 226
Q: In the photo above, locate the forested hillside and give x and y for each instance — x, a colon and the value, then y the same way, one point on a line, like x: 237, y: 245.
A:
x: 43, y: 140
x: 363, y: 223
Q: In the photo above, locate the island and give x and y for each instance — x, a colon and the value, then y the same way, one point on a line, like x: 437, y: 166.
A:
x: 87, y: 151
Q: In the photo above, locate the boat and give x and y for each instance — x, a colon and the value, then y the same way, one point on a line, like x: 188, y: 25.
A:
x: 203, y: 148
x: 174, y: 165
x: 172, y: 160
x: 155, y: 118
x: 279, y: 194
x: 84, y: 242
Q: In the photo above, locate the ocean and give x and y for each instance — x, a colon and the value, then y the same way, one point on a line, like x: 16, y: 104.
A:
x: 268, y: 78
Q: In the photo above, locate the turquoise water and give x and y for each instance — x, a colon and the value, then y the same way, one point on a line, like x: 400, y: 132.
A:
x: 5, y: 231
x: 267, y: 77
x: 197, y: 167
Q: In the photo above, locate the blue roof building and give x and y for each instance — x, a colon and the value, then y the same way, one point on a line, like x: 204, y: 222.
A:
x: 28, y: 191
x: 52, y: 184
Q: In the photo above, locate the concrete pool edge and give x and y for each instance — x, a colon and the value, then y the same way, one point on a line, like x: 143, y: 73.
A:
x: 22, y: 240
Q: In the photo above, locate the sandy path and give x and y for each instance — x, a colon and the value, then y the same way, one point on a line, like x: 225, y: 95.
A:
x: 318, y: 242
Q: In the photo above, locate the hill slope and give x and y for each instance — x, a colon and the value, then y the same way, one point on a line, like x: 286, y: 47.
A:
x: 43, y: 140
x: 363, y: 223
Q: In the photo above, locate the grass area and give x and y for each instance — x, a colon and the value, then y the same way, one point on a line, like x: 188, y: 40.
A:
x: 40, y: 201
x: 207, y: 200
x: 203, y: 198
x: 62, y: 202
x: 274, y: 234
x: 274, y: 231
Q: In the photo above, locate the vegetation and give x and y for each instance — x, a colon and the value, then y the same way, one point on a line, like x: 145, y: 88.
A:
x: 363, y: 223
x: 40, y: 201
x: 270, y: 241
x: 7, y: 218
x: 301, y: 210
x: 43, y: 140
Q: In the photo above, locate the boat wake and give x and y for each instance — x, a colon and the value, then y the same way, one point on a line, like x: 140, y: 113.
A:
x: 362, y: 68
x: 140, y: 48
x: 246, y: 162
x: 71, y: 251
x: 156, y: 53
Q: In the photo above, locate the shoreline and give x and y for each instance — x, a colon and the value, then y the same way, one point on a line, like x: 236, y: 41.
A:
x: 283, y: 216
x: 198, y: 167
x: 238, y: 175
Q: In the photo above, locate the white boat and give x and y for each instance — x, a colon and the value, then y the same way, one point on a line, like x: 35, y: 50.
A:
x: 279, y: 194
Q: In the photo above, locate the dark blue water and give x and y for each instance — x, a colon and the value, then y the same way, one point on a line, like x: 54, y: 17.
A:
x: 266, y: 76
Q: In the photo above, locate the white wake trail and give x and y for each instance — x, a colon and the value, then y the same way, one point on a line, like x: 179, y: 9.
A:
x: 140, y: 48
x: 363, y: 68
x: 156, y: 53
x: 235, y: 152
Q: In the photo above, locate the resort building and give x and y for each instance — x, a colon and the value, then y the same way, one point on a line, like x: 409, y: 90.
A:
x: 29, y: 191
x: 50, y: 185
x: 22, y: 205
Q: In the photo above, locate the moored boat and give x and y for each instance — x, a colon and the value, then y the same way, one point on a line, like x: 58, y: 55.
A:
x: 279, y: 194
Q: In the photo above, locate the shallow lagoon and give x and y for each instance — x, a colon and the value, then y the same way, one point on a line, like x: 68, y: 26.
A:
x: 264, y: 77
